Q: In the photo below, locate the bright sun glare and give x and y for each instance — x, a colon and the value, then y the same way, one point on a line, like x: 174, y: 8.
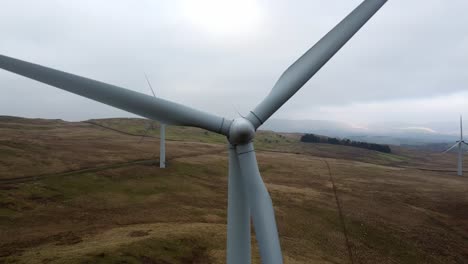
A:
x: 223, y: 16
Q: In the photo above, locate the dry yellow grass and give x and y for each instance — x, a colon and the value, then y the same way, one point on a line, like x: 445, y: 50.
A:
x: 138, y: 213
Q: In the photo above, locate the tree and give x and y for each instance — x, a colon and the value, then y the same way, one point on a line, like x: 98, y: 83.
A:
x: 311, y: 138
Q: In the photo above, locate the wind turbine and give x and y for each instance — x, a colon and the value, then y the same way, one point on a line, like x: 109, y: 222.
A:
x: 162, y: 134
x: 459, y: 144
x: 247, y: 193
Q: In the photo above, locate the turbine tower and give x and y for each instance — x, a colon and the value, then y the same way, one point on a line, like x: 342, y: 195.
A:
x: 162, y: 134
x: 459, y: 144
x: 247, y: 193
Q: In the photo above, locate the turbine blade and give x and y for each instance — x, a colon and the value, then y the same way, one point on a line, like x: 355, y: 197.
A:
x: 130, y: 101
x: 143, y: 136
x: 461, y: 129
x: 456, y: 144
x: 149, y: 84
x: 261, y: 207
x: 311, y: 62
x: 238, y: 229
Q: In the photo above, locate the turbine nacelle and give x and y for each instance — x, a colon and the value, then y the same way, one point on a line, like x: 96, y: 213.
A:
x: 241, y: 131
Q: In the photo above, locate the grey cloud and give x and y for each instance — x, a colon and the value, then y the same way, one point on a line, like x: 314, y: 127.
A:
x: 410, y: 49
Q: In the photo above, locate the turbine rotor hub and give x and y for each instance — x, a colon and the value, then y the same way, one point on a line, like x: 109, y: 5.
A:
x: 241, y: 131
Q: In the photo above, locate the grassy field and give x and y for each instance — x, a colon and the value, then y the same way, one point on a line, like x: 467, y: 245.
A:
x: 75, y: 192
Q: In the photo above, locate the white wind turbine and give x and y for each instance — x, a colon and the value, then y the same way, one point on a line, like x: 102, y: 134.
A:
x: 459, y: 144
x: 162, y: 134
x: 247, y: 194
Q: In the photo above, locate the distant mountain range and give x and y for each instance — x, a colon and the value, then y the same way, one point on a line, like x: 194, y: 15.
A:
x: 381, y: 133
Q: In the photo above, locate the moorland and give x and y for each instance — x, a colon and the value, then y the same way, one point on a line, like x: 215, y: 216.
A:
x: 91, y: 192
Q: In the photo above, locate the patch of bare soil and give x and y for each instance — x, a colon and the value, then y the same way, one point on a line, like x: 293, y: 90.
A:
x: 139, y: 233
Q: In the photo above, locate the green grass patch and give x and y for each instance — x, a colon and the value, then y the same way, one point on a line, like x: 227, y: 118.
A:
x: 7, y: 213
x: 112, y: 187
x: 392, y: 157
x: 271, y: 140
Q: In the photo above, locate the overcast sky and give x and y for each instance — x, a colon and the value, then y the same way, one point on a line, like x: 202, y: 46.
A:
x: 408, y: 64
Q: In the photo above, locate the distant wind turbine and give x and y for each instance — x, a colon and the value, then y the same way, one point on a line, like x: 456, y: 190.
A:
x: 459, y: 144
x: 162, y: 134
x: 247, y: 193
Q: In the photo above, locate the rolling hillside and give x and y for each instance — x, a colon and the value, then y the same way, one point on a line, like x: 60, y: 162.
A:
x: 89, y: 192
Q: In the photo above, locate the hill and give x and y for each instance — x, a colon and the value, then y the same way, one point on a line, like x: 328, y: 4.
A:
x: 395, y: 133
x: 79, y: 192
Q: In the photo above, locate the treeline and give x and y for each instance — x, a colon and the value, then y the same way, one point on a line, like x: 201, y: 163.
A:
x: 345, y: 142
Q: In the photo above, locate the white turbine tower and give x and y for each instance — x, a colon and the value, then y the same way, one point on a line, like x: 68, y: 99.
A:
x: 459, y: 144
x: 247, y: 193
x: 162, y: 134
